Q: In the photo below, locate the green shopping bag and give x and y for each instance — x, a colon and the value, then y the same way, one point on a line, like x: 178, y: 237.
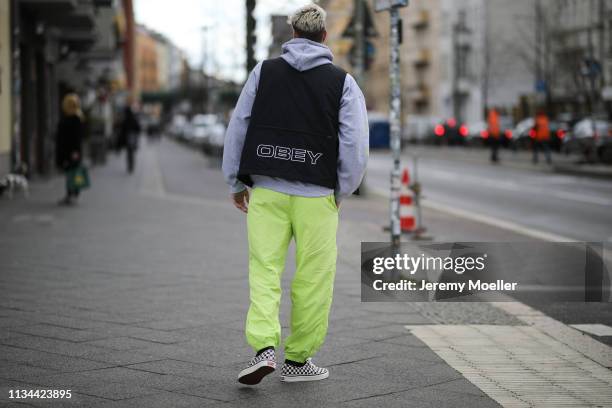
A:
x: 77, y: 178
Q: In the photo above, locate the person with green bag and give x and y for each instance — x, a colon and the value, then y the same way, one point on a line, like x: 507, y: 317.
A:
x: 69, y: 148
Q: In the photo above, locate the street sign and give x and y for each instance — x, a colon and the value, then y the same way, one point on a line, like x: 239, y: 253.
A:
x: 368, y: 55
x: 382, y: 5
x: 368, y: 24
x: 541, y: 86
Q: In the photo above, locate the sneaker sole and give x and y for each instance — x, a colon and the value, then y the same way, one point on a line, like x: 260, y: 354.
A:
x: 300, y: 378
x: 253, y: 375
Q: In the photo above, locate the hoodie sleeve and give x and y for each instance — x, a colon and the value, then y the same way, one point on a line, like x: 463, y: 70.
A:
x: 236, y: 131
x: 353, y: 138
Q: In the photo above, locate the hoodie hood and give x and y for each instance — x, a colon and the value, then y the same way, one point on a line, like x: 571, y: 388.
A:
x: 303, y: 54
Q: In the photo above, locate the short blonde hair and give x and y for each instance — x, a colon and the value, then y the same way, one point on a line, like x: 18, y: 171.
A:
x: 71, y: 105
x: 308, y: 21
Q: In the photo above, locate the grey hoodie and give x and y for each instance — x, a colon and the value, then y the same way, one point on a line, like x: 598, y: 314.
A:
x: 353, y: 135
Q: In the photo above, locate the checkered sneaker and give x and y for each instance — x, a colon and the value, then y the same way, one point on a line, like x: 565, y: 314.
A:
x: 307, y: 372
x: 258, y: 368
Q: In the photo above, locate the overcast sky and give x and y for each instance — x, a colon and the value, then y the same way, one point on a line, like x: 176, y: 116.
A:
x: 182, y: 22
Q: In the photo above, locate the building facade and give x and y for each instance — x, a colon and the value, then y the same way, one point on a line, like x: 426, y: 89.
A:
x: 147, y: 76
x: 5, y: 88
x: 458, y: 57
x: 576, y: 62
x: 281, y: 33
x: 160, y: 63
x: 486, y: 47
x: 54, y: 47
x: 420, y: 55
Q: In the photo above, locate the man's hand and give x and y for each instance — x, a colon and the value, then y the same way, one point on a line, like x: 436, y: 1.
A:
x: 241, y: 200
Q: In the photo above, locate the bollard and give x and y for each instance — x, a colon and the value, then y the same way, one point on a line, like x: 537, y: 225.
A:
x: 415, y: 187
x: 406, y: 210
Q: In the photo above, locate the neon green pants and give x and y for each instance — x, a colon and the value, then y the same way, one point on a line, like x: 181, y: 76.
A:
x: 273, y: 219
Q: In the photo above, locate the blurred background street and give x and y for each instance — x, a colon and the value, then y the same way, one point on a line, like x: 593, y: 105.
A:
x: 135, y: 295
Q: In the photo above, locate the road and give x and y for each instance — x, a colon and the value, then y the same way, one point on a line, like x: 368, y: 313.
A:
x: 531, y: 203
x: 569, y: 206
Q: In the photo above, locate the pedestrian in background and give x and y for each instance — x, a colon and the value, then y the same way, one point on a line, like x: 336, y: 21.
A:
x: 129, y: 131
x: 494, y: 134
x: 542, y: 137
x: 69, y: 144
x: 299, y: 138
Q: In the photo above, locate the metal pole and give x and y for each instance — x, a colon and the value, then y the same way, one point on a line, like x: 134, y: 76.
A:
x: 250, y: 36
x: 394, y: 119
x: 16, y: 83
x: 359, y: 41
x: 417, y: 196
x: 203, y: 63
x: 538, y: 38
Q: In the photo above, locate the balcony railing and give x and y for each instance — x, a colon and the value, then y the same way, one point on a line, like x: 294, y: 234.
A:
x: 419, y: 93
x: 420, y: 20
x: 422, y: 58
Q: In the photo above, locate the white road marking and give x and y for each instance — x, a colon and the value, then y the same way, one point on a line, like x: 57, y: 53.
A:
x: 520, y: 187
x: 485, y: 219
x: 596, y: 329
x: 496, y: 222
x: 590, y: 199
x: 446, y: 175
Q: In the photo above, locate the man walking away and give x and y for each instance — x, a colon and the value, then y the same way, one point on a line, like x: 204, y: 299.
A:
x: 542, y: 137
x: 299, y: 139
x: 494, y: 134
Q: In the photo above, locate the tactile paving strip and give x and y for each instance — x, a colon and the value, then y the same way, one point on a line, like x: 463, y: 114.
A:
x: 520, y: 366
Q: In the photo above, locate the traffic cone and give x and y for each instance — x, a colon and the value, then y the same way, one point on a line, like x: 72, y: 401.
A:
x: 406, y: 210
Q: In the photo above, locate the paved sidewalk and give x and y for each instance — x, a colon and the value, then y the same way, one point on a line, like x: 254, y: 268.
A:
x: 137, y: 298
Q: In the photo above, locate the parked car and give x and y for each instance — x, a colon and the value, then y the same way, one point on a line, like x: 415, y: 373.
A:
x: 418, y: 128
x: 507, y: 131
x: 558, y: 132
x: 199, y: 128
x: 604, y: 148
x: 213, y: 145
x: 178, y: 126
x: 523, y: 133
x: 450, y: 132
x: 589, y: 138
x: 477, y: 134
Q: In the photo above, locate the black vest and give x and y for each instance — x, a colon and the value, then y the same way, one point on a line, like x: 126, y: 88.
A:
x: 293, y: 131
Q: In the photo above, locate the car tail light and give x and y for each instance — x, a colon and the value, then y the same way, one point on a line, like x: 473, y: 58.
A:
x: 532, y: 134
x: 439, y: 130
x: 508, y: 134
x: 484, y: 134
x: 463, y: 131
x: 452, y: 122
x: 560, y: 133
